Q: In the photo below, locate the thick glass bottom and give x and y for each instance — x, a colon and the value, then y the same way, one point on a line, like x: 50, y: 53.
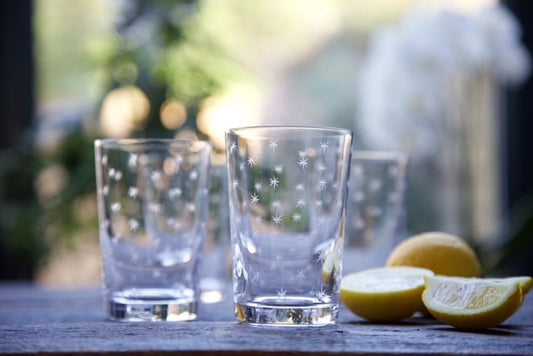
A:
x: 290, y: 312
x: 151, y: 305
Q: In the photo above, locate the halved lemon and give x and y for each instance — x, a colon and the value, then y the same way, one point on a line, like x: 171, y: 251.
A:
x: 471, y: 303
x: 384, y: 294
x: 440, y: 252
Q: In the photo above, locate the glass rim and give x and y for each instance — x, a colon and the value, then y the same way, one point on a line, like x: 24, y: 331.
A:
x: 138, y: 142
x: 385, y: 155
x: 308, y: 128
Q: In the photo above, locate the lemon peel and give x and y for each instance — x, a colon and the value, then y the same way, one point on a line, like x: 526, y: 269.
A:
x: 443, y: 253
x: 471, y: 303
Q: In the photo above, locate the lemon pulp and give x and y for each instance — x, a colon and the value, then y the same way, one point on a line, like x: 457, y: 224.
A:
x: 471, y: 303
x: 384, y: 294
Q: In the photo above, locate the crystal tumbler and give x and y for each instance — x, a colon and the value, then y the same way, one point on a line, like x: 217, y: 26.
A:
x: 287, y: 190
x: 152, y: 205
x: 375, y: 213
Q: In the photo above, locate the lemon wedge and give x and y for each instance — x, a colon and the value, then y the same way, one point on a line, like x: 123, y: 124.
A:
x: 384, y: 294
x: 471, y: 303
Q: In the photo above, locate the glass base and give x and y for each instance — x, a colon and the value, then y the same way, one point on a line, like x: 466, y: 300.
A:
x: 211, y: 290
x: 291, y: 313
x: 151, y: 305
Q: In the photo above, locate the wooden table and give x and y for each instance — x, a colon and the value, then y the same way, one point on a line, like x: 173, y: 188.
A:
x: 34, y: 320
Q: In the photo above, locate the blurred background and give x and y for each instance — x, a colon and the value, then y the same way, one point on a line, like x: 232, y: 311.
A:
x: 446, y: 81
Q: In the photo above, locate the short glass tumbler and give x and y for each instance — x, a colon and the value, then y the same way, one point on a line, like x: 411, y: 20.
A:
x: 152, y: 205
x: 287, y: 190
x: 376, y: 214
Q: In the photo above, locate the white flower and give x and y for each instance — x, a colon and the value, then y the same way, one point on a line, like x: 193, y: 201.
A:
x: 406, y: 81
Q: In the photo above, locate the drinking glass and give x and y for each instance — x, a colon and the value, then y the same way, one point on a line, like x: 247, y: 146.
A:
x: 152, y: 205
x: 215, y: 263
x: 375, y: 212
x: 287, y: 190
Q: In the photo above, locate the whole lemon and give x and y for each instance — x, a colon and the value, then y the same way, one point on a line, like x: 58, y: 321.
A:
x: 443, y: 253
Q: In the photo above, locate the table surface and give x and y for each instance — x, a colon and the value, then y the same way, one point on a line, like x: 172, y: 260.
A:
x: 35, y: 320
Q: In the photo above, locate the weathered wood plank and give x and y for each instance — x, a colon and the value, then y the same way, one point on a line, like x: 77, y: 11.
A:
x: 39, y: 321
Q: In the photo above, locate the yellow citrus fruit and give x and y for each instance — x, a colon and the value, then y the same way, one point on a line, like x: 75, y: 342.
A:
x: 471, y: 303
x: 384, y: 294
x: 331, y: 268
x: 443, y: 253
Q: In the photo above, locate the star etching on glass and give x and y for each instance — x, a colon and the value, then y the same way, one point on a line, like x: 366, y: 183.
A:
x: 254, y: 198
x: 118, y: 176
x: 281, y: 293
x: 300, y: 274
x: 115, y: 207
x: 250, y: 161
x: 232, y: 146
x: 193, y: 175
x: 273, y: 144
x: 173, y: 223
x: 323, y: 146
x: 276, y: 204
x: 321, y: 294
x: 155, y: 176
x: 300, y: 203
x: 323, y: 220
x: 178, y: 160
x: 254, y: 235
x: 393, y: 171
x: 277, y: 219
x: 134, y: 225
x: 278, y: 168
x: 303, y: 162
x: 154, y: 208
x: 258, y: 186
x: 133, y: 192
x: 274, y: 182
x: 174, y: 193
x: 322, y: 256
x: 256, y: 276
x: 132, y: 160
x: 322, y: 184
x: 297, y: 218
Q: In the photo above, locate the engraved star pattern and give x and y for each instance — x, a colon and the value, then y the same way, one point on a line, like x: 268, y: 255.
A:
x: 285, y: 192
x: 149, y: 202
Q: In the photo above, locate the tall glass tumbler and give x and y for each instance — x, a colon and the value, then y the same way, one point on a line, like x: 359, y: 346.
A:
x: 152, y: 205
x: 287, y: 191
x: 376, y: 208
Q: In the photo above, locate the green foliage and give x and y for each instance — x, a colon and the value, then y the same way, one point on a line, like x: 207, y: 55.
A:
x: 156, y: 48
x: 20, y: 212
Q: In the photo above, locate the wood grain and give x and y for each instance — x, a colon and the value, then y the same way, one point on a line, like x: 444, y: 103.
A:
x: 34, y: 320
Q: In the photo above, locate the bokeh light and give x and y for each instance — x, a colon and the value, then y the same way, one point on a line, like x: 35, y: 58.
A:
x: 238, y: 106
x: 124, y: 110
x: 173, y: 114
